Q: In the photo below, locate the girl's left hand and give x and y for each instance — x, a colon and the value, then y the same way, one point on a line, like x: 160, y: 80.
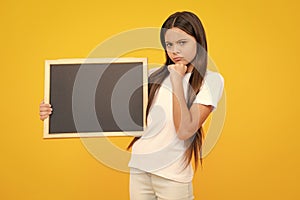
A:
x: 177, y: 69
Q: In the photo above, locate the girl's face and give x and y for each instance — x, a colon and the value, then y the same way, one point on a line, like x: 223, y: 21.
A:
x: 181, y: 47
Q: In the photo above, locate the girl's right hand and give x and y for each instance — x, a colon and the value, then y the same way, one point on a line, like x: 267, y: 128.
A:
x: 45, y: 110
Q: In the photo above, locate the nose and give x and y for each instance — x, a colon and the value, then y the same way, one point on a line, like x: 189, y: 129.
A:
x: 175, y: 49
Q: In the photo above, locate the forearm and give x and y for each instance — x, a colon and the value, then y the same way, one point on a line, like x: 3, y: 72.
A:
x: 186, y: 120
x: 183, y: 121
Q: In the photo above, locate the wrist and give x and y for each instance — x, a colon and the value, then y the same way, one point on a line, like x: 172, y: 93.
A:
x: 176, y: 77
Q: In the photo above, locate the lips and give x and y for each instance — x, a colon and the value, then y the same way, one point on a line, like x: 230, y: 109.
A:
x: 177, y: 59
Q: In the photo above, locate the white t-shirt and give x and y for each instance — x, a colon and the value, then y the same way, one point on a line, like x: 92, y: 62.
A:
x: 159, y: 150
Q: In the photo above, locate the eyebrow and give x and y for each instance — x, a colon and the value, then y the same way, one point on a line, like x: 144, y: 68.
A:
x: 176, y: 41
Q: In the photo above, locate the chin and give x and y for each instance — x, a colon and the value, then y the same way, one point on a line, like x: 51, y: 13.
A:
x: 181, y: 62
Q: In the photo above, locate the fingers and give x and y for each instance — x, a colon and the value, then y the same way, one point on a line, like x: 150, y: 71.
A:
x: 178, y: 67
x: 45, y: 110
x: 171, y: 67
x: 45, y: 115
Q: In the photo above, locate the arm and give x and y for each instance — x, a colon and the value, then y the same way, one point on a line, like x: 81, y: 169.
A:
x: 186, y: 121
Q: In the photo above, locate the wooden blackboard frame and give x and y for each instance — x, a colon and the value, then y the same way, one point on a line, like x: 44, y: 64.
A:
x: 47, y: 95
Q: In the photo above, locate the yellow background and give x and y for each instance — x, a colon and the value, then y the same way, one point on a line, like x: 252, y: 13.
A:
x: 255, y: 46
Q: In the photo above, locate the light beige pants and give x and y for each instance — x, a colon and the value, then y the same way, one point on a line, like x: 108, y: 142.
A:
x: 147, y: 186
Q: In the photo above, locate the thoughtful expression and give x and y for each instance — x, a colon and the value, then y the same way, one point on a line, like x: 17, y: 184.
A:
x: 181, y: 47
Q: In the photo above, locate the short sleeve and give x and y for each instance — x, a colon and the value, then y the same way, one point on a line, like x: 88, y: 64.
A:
x: 211, y: 90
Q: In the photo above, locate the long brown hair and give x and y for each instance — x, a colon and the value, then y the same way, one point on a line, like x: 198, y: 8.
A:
x: 191, y: 24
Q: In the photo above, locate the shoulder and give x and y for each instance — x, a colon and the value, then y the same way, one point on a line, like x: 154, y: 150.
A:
x: 155, y: 71
x: 211, y: 89
x: 152, y: 70
x: 213, y: 80
x: 212, y: 76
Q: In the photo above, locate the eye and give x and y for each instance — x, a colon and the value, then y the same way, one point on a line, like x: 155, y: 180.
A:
x: 169, y: 45
x: 181, y: 43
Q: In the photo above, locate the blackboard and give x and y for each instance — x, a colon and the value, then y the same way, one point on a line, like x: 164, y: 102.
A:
x: 95, y: 97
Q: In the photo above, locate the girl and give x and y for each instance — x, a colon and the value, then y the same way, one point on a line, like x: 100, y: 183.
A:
x: 182, y: 94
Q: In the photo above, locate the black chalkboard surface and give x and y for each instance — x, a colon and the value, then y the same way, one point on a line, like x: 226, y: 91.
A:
x: 95, y: 97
